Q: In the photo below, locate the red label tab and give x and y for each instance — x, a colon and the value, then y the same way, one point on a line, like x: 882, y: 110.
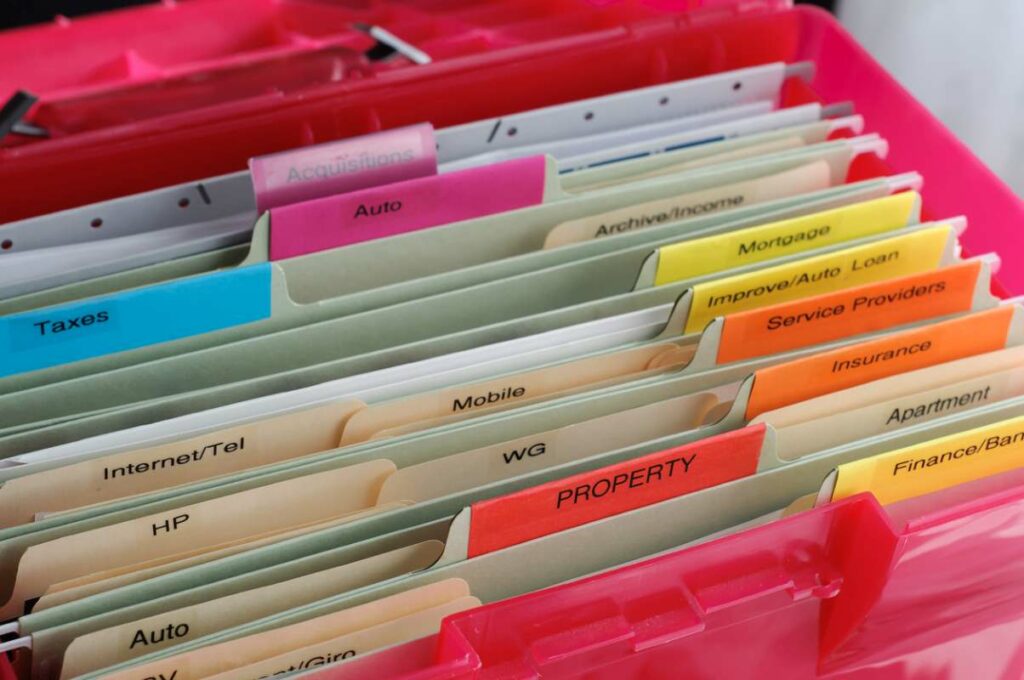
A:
x: 565, y: 503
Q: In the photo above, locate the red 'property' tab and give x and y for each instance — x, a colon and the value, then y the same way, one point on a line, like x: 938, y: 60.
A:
x: 565, y: 503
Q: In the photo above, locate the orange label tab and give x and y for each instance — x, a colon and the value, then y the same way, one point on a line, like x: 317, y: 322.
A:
x: 565, y: 503
x: 824, y: 318
x: 812, y: 376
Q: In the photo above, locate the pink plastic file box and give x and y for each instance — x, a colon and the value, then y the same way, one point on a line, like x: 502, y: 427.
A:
x: 841, y: 591
x: 154, y: 96
x: 552, y: 52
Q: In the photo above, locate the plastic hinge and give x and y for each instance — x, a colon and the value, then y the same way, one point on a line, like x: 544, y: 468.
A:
x: 590, y: 643
x: 632, y: 625
x: 716, y: 11
x: 805, y: 579
x: 613, y: 636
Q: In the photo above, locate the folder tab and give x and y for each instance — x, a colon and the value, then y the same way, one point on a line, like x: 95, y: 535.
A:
x: 108, y: 646
x: 507, y: 391
x: 702, y: 256
x: 207, y: 526
x: 225, y: 655
x: 899, y: 256
x: 128, y: 473
x: 565, y: 503
x: 380, y: 211
x: 123, y: 321
x: 346, y: 165
x: 353, y: 643
x: 933, y: 466
x: 812, y: 376
x: 803, y: 179
x: 852, y: 311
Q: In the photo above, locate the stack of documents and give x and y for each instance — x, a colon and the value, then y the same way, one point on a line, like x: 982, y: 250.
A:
x: 387, y: 380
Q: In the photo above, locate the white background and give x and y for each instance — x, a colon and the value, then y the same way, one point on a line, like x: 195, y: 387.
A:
x: 964, y: 59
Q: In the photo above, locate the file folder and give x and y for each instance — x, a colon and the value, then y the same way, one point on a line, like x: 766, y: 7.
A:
x: 43, y: 482
x: 320, y: 429
x: 266, y: 284
x: 134, y: 232
x: 311, y: 172
x: 932, y: 246
x: 598, y: 545
x: 128, y: 261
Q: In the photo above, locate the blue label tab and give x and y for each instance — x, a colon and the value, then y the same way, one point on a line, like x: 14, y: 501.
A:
x: 137, y: 318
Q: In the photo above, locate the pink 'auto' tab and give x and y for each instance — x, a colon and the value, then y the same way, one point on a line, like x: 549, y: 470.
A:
x: 381, y: 211
x: 347, y: 165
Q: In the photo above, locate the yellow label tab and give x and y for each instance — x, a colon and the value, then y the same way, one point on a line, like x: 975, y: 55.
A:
x: 898, y: 256
x: 746, y: 246
x: 935, y: 465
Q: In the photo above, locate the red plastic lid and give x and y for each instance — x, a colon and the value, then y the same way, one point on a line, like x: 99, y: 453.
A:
x: 183, y: 43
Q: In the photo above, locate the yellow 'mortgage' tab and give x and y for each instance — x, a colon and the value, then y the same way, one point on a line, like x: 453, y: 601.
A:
x: 786, y: 237
x: 890, y: 258
x: 935, y: 465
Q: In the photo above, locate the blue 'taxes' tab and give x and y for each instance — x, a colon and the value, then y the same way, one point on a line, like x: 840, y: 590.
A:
x: 137, y: 318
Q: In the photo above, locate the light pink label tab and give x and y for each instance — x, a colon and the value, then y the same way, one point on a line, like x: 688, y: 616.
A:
x: 346, y: 165
x: 407, y: 206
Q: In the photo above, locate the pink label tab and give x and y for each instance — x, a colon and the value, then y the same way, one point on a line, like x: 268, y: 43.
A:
x: 407, y: 206
x: 346, y: 165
